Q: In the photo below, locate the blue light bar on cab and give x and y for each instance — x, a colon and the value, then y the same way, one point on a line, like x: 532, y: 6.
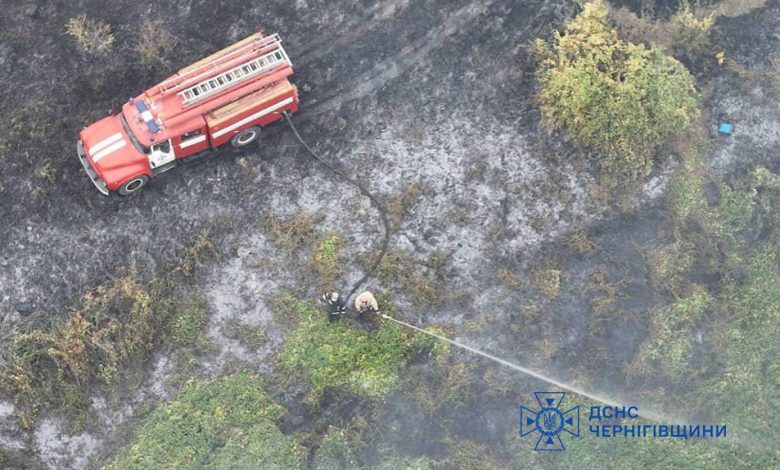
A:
x: 146, y: 115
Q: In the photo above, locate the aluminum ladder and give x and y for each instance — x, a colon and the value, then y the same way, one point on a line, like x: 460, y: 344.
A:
x: 238, y: 74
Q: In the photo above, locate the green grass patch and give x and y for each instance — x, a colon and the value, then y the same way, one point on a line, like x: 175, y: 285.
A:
x: 115, y: 325
x: 687, y: 196
x: 591, y: 452
x: 509, y: 279
x: 750, y: 350
x: 669, y: 348
x: 735, y: 319
x: 229, y: 423
x: 430, y: 346
x: 464, y: 454
x: 291, y: 234
x: 422, y: 281
x: 337, y: 451
x: 670, y: 265
x: 189, y: 319
x: 327, y: 260
x: 250, y: 336
x: 335, y: 355
x: 548, y: 281
x: 101, y: 345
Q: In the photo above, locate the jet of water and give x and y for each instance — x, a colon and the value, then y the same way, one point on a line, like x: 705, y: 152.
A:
x: 651, y: 415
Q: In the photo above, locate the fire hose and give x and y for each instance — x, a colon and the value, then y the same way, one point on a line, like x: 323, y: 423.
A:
x: 378, y: 205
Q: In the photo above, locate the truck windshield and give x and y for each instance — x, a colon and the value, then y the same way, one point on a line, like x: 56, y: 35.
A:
x: 132, y: 136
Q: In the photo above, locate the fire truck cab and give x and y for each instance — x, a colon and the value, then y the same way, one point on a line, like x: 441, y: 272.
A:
x: 226, y: 97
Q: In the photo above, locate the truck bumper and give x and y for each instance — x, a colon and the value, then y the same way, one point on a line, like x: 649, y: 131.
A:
x: 96, y: 180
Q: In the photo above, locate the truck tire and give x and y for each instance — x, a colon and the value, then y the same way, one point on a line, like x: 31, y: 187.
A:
x: 245, y: 137
x: 133, y: 185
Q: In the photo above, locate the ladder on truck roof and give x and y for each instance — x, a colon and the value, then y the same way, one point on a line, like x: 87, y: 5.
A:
x: 232, y: 56
x: 235, y: 75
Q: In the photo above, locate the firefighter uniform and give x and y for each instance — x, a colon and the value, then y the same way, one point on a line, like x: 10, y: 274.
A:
x: 366, y: 303
x: 337, y: 306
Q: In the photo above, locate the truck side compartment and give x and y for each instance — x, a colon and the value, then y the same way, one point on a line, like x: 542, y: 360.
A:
x: 256, y: 109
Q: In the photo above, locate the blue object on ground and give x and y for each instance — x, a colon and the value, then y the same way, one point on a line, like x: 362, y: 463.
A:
x: 725, y: 128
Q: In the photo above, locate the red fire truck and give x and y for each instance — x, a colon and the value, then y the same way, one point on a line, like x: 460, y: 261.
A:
x: 226, y: 97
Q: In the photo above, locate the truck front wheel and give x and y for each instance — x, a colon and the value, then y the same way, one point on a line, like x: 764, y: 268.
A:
x: 133, y: 186
x: 245, y: 137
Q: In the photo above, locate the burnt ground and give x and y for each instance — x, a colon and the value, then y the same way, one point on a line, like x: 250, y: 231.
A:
x: 433, y: 94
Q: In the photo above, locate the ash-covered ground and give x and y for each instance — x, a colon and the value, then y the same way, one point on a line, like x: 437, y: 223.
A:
x: 437, y: 96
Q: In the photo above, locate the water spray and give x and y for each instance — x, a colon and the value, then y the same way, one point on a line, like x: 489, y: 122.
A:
x: 651, y: 415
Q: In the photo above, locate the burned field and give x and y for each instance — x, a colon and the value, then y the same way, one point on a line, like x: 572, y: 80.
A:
x: 197, y: 297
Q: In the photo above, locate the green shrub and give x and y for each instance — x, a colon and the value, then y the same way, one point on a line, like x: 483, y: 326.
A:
x: 332, y: 355
x: 102, y: 344
x: 692, y: 34
x: 229, y: 423
x: 620, y: 98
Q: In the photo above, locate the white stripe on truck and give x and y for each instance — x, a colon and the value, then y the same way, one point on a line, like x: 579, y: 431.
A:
x: 105, y: 143
x: 251, y: 118
x: 108, y: 150
x: 190, y: 142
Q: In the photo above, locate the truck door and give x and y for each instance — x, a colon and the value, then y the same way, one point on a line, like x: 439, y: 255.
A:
x: 161, y: 156
x: 192, y: 142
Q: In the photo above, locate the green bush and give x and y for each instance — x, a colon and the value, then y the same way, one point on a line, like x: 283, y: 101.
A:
x: 692, y: 34
x: 228, y: 423
x: 620, y: 98
x: 332, y: 355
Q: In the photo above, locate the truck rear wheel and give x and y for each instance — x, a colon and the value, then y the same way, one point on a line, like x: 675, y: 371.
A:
x: 245, y: 137
x: 134, y: 185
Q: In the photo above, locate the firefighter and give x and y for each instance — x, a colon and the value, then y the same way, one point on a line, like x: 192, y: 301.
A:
x: 366, y: 303
x: 337, y: 306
